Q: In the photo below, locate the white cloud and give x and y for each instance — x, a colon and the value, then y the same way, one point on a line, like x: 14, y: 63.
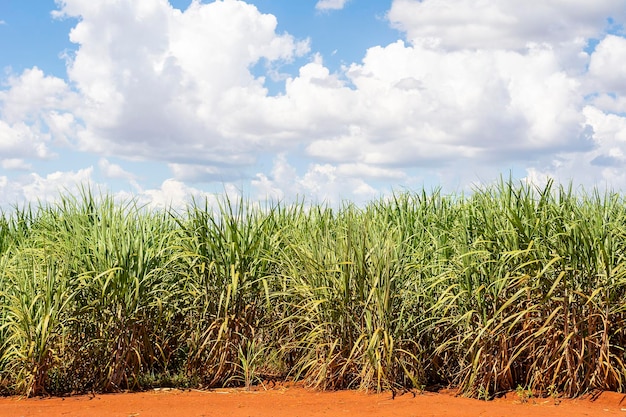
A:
x: 412, y: 105
x: 330, y: 4
x: 31, y: 93
x: 176, y: 195
x: 360, y: 170
x: 49, y: 187
x: 15, y: 164
x: 610, y: 102
x: 114, y: 171
x: 165, y: 84
x: 32, y: 110
x: 320, y: 183
x: 503, y: 24
x: 607, y: 65
x: 20, y: 140
x: 208, y: 172
x: 46, y: 189
x: 538, y: 177
x: 172, y: 193
x: 603, y: 165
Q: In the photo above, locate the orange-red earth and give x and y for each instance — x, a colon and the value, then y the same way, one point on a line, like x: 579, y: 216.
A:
x: 296, y: 401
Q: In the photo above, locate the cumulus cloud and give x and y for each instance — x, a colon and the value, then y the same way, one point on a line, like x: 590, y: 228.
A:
x: 114, y: 171
x: 330, y: 4
x: 502, y: 24
x: 15, y: 164
x: 324, y: 183
x: 163, y: 84
x: 49, y: 188
x: 32, y: 109
x: 207, y: 172
x: 604, y: 165
x: 412, y: 105
x: 171, y: 194
x: 32, y: 92
x: 176, y: 195
x: 606, y: 67
x: 21, y: 140
x: 46, y: 189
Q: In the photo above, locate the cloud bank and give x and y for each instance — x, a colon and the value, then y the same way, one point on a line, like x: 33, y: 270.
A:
x: 471, y: 89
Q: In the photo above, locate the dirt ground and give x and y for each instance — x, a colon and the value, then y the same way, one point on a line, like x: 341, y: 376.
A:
x: 300, y: 402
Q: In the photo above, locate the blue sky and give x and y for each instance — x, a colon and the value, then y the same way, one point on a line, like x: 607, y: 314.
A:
x: 331, y: 100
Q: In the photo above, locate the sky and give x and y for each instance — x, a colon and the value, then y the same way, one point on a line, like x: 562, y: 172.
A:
x: 327, y: 100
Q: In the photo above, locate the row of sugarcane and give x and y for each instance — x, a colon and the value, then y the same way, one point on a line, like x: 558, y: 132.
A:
x: 509, y: 286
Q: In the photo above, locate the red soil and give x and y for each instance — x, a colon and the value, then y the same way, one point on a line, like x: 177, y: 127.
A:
x: 297, y: 401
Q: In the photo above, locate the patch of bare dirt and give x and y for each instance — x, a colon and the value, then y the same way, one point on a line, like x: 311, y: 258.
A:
x: 294, y: 401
